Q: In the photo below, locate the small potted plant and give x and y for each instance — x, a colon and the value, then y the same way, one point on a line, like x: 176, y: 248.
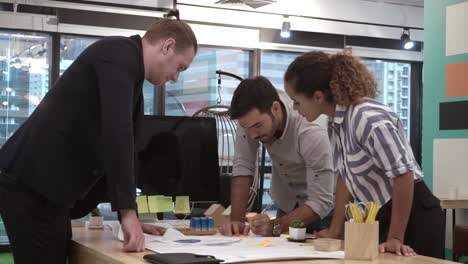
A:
x: 297, y: 230
x: 96, y: 219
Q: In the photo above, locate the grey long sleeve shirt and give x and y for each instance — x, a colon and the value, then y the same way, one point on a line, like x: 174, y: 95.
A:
x: 302, y: 166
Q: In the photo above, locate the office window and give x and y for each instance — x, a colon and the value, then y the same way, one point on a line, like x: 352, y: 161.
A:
x: 24, y: 80
x: 405, y: 81
x: 71, y: 47
x: 273, y: 66
x: 197, y: 87
x: 394, y: 94
x: 406, y: 71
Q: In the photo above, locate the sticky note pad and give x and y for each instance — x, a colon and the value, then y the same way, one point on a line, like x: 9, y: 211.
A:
x: 182, y: 205
x: 166, y: 204
x: 153, y: 204
x: 265, y: 243
x: 161, y: 203
x: 142, y: 204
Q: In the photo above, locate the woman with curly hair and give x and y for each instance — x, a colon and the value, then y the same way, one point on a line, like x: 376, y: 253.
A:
x: 370, y: 152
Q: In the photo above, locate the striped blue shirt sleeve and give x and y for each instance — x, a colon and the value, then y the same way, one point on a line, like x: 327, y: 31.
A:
x: 387, y: 149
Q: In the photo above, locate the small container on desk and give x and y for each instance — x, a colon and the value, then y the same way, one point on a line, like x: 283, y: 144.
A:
x: 361, y: 240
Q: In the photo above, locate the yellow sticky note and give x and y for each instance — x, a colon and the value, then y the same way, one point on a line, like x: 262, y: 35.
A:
x: 167, y: 204
x: 142, y: 204
x: 153, y: 204
x: 160, y: 203
x: 265, y: 243
x: 182, y: 205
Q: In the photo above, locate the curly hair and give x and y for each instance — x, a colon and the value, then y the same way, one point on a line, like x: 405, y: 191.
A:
x: 341, y: 77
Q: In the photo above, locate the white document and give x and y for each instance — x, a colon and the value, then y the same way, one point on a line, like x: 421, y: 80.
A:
x: 245, y: 249
x: 235, y: 249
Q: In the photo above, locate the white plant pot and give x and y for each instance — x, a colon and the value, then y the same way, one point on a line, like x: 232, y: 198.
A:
x: 96, y: 220
x: 297, y: 233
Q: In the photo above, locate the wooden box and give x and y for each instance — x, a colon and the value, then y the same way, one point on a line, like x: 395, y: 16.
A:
x: 216, y: 211
x: 361, y: 240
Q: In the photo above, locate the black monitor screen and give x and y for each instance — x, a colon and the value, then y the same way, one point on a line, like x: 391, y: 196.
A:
x: 178, y: 156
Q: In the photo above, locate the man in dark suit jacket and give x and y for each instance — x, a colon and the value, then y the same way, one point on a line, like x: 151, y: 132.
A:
x: 83, y: 133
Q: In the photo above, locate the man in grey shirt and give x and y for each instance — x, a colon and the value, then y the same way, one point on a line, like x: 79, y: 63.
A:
x: 302, y: 172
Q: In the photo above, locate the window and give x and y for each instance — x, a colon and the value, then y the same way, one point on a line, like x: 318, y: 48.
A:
x: 273, y: 66
x: 405, y: 71
x: 405, y: 81
x: 394, y: 94
x: 404, y: 92
x: 404, y: 102
x: 71, y: 47
x: 197, y: 87
x: 24, y: 80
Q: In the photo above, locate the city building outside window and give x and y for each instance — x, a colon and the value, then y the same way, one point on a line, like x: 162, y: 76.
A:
x: 71, y: 47
x: 24, y: 76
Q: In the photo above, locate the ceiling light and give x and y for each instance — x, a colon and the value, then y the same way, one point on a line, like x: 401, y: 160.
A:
x: 286, y: 29
x: 406, y: 41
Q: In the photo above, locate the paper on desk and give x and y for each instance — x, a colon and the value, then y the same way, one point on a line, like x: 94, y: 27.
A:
x: 172, y: 234
x: 175, y: 238
x: 246, y: 250
x: 148, y: 238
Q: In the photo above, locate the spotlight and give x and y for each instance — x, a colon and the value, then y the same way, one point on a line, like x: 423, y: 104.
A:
x: 286, y: 29
x: 406, y: 41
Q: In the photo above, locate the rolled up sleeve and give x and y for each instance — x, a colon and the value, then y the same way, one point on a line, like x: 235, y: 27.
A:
x: 314, y: 146
x: 388, y: 151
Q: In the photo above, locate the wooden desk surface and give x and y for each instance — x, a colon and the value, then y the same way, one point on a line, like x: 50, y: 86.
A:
x: 453, y: 203
x: 99, y: 247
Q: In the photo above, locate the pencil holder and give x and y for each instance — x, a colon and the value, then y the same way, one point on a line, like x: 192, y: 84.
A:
x: 361, y: 240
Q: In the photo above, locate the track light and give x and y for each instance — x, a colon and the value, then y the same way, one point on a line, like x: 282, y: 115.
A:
x: 406, y: 41
x: 285, y: 29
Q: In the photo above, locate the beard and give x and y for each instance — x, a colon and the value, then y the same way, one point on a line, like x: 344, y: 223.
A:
x: 272, y: 135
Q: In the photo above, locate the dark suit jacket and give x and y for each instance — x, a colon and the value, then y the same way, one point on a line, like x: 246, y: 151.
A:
x: 85, y: 128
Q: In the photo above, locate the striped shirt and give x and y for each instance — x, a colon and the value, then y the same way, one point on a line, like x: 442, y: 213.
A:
x: 369, y: 149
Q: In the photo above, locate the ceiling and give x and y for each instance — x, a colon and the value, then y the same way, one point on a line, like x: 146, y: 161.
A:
x: 419, y: 3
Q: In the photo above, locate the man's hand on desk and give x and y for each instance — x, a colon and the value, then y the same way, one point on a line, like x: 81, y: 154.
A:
x: 134, y: 240
x: 261, y: 225
x: 153, y: 229
x: 234, y: 228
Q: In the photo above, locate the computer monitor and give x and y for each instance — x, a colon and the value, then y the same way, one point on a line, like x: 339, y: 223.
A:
x: 178, y: 156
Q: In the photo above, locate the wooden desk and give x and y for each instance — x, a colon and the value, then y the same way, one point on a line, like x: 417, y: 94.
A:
x: 99, y: 247
x: 461, y: 202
